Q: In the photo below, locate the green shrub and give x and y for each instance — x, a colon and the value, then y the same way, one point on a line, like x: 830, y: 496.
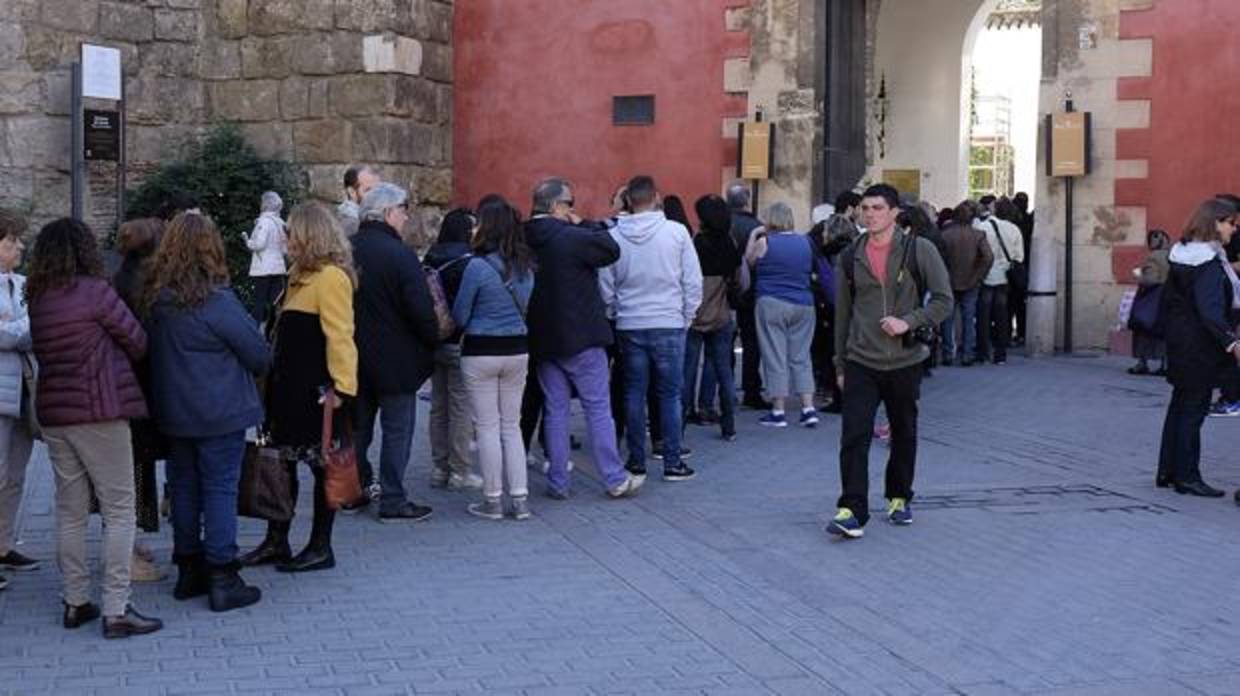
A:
x: 224, y: 172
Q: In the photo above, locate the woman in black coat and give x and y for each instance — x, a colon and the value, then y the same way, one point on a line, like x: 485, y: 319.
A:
x: 1200, y: 300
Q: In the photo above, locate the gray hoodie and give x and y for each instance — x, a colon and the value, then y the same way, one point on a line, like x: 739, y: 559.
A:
x: 657, y: 283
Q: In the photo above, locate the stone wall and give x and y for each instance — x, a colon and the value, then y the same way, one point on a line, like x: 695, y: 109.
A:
x: 321, y: 82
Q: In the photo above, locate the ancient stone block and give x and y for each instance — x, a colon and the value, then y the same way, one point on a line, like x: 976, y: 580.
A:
x: 362, y: 95
x: 19, y: 11
x: 249, y: 100
x: 432, y: 185
x: 446, y: 104
x: 16, y: 187
x: 51, y: 194
x: 395, y: 140
x: 184, y: 4
x: 270, y: 17
x: 325, y: 180
x: 270, y: 140
x: 35, y: 141
x: 437, y: 62
x: 231, y: 18
x: 294, y: 98
x: 126, y: 22
x: 71, y: 15
x: 146, y: 144
x: 169, y: 59
x: 219, y: 60
x: 326, y: 55
x: 375, y: 15
x: 323, y: 141
x: 176, y: 25
x: 432, y: 21
x: 416, y: 97
x: 387, y: 53
x: 21, y: 93
x: 12, y: 44
x: 265, y: 57
x: 155, y: 99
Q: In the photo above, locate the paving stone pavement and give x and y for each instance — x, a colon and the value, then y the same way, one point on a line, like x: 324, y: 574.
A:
x: 1042, y: 561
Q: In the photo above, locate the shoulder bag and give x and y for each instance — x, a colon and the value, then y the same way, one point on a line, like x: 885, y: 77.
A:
x: 1018, y: 273
x: 337, y: 456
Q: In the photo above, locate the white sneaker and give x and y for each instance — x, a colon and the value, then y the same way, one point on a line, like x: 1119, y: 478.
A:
x: 457, y: 482
x: 629, y: 488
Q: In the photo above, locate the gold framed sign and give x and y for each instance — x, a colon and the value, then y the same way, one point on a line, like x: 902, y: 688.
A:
x: 757, y: 151
x: 1067, y: 143
x: 904, y: 180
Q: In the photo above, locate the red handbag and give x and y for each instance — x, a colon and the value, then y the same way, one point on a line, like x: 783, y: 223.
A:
x: 341, y: 485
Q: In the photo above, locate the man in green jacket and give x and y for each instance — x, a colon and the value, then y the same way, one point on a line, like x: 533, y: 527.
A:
x: 880, y: 315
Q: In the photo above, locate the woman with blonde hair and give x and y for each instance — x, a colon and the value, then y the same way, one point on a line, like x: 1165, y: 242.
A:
x: 204, y: 355
x: 315, y: 364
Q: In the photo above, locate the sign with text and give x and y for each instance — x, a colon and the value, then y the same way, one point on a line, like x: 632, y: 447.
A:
x: 1068, y: 140
x: 905, y: 180
x: 101, y: 72
x: 756, y: 150
x: 101, y: 135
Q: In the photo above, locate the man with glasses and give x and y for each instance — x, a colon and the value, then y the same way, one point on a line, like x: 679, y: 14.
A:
x: 396, y: 333
x: 569, y: 334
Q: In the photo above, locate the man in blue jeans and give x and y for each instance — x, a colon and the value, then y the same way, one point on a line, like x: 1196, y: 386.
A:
x: 653, y: 292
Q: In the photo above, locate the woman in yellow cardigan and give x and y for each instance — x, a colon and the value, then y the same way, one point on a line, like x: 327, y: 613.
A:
x: 315, y: 359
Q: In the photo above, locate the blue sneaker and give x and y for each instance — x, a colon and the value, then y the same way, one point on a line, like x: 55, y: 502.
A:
x: 774, y: 420
x: 809, y: 418
x: 845, y: 525
x: 1225, y: 409
x: 898, y: 512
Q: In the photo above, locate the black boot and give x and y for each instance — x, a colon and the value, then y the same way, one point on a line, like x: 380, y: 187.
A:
x: 318, y: 553
x: 192, y: 577
x: 229, y: 591
x: 274, y: 549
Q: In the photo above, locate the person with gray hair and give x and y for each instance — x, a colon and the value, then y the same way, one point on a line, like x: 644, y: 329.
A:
x: 743, y: 225
x: 783, y: 262
x: 268, y: 244
x: 396, y: 334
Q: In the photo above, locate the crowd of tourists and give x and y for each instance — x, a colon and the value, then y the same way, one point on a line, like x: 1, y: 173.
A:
x: 509, y: 318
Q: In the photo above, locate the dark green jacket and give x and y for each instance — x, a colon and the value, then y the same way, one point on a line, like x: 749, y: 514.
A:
x: 861, y: 304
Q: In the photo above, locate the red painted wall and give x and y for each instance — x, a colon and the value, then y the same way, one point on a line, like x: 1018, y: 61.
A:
x: 534, y: 86
x: 1195, y: 108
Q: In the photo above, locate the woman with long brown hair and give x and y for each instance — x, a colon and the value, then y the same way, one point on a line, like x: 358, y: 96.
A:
x: 1201, y: 299
x: 490, y: 307
x: 315, y: 361
x: 205, y: 353
x: 84, y: 405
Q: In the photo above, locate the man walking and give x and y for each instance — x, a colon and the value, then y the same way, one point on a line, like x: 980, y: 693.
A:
x: 653, y: 292
x: 968, y: 261
x: 743, y: 225
x: 396, y: 333
x: 878, y: 315
x: 569, y: 334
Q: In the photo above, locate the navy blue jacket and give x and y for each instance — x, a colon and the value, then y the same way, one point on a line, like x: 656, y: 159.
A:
x: 203, y: 362
x: 1195, y: 319
x: 566, y: 312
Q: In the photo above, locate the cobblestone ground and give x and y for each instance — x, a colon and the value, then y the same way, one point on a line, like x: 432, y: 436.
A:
x: 1042, y: 560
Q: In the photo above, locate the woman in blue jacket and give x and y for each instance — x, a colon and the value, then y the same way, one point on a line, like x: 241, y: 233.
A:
x: 205, y: 351
x: 491, y: 307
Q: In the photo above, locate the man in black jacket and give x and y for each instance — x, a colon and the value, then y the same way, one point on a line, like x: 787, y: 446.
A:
x: 396, y: 333
x: 743, y: 224
x: 569, y: 334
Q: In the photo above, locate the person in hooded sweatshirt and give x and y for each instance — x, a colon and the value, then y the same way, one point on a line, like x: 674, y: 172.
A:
x: 1200, y: 299
x: 653, y: 292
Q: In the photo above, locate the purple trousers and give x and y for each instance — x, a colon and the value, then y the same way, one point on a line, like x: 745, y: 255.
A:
x: 587, y: 371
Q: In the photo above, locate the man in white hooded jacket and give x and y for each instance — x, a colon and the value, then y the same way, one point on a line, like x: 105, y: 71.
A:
x: 652, y: 293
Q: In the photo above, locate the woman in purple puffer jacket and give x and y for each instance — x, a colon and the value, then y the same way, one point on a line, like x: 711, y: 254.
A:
x: 85, y: 339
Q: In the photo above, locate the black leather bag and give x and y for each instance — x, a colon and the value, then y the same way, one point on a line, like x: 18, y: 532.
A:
x: 265, y: 491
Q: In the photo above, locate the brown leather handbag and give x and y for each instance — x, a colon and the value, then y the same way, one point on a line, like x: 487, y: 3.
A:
x: 265, y: 491
x: 338, y: 458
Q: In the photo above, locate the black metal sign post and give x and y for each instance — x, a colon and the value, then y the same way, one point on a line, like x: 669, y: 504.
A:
x: 1068, y: 145
x: 77, y: 163
x: 97, y: 134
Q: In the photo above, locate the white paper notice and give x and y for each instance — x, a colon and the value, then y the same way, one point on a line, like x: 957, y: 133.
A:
x: 101, y: 72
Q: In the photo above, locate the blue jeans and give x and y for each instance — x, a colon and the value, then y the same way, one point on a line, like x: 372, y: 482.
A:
x: 718, y: 346
x: 660, y: 352
x: 203, y: 474
x: 587, y: 371
x: 397, y: 414
x: 966, y: 313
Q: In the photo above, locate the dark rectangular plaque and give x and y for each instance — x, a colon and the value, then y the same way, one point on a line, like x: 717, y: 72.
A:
x: 102, y: 137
